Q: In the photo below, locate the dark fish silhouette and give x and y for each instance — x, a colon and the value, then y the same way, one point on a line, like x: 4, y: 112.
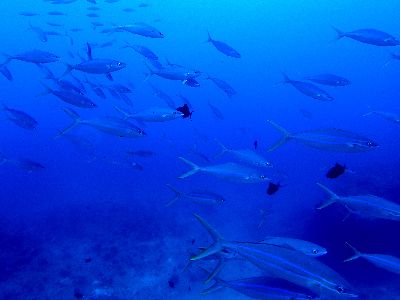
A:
x: 335, y: 171
x: 273, y: 188
x: 255, y: 144
x: 185, y: 110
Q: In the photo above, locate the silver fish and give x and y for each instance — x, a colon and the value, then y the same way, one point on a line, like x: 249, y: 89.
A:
x: 387, y: 262
x: 196, y: 197
x: 369, y: 36
x: 154, y: 114
x: 246, y: 156
x: 392, y: 117
x: 330, y: 139
x: 20, y: 118
x: 368, y: 206
x: 229, y: 171
x: 110, y: 126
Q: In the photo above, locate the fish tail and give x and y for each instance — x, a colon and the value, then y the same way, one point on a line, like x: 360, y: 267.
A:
x: 216, y: 247
x: 357, y: 254
x: 178, y: 195
x: 219, y: 283
x: 223, y: 149
x: 209, y: 38
x: 333, y: 197
x: 195, y: 168
x: 89, y: 51
x: 68, y: 70
x: 76, y: 121
x: 286, y: 78
x: 215, y: 271
x: 339, y: 33
x: 149, y: 73
x: 285, y: 136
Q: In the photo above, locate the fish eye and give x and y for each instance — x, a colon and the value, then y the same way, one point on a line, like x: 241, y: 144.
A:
x: 315, y: 251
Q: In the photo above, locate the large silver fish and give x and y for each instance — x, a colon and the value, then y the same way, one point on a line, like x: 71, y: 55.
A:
x: 229, y: 171
x: 200, y: 197
x: 368, y: 206
x: 330, y: 139
x: 154, y: 114
x: 282, y: 263
x: 304, y: 247
x: 392, y: 117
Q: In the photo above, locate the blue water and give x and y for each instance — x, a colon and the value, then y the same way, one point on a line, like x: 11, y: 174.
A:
x: 92, y: 226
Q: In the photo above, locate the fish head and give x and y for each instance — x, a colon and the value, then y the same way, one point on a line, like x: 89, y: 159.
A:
x: 159, y: 34
x: 264, y: 164
x: 140, y: 132
x: 324, y: 97
x: 117, y: 65
x: 391, y: 40
x: 191, y: 74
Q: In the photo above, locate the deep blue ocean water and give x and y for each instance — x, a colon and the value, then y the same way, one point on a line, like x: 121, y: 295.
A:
x: 93, y: 223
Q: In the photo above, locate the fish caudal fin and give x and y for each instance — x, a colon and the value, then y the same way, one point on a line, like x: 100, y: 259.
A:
x: 357, y: 254
x: 195, y: 168
x: 219, y: 283
x: 339, y: 33
x: 76, y: 121
x: 209, y: 38
x: 68, y: 70
x: 285, y: 136
x: 215, y: 272
x: 286, y: 78
x: 178, y: 195
x: 333, y: 197
x: 216, y: 247
x: 223, y: 149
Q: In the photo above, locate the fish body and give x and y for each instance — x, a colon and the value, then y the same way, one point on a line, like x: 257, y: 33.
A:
x: 98, y: 66
x: 71, y: 97
x: 162, y: 95
x: 369, y: 36
x: 387, y: 262
x: 138, y: 29
x: 392, y: 117
x: 110, y: 126
x: 20, y: 118
x: 228, y: 171
x: 246, y: 156
x: 154, y: 114
x: 329, y: 79
x: 199, y: 197
x: 302, y: 246
x: 35, y: 56
x: 330, y: 139
x: 223, y: 85
x: 309, y: 89
x: 144, y: 51
x: 223, y: 47
x: 367, y: 206
x: 174, y: 72
x: 217, y: 113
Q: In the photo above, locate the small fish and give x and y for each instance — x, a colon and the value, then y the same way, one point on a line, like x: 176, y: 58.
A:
x: 185, y: 110
x: 367, y: 206
x: 142, y: 50
x: 306, y: 114
x: 387, y: 262
x: 223, y: 85
x: 6, y: 72
x: 329, y: 79
x: 196, y: 197
x: 246, y: 156
x: 142, y: 29
x: 392, y: 117
x: 70, y: 97
x: 273, y: 188
x: 110, y: 126
x: 34, y: 56
x: 308, y: 89
x: 335, y: 171
x: 141, y: 153
x: 154, y: 114
x: 302, y: 246
x: 29, y: 165
x: 223, y: 47
x: 174, y: 72
x: 229, y: 171
x: 162, y: 95
x: 255, y: 144
x: 20, y: 118
x: 369, y: 36
x: 217, y: 113
x: 28, y: 13
x: 330, y: 139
